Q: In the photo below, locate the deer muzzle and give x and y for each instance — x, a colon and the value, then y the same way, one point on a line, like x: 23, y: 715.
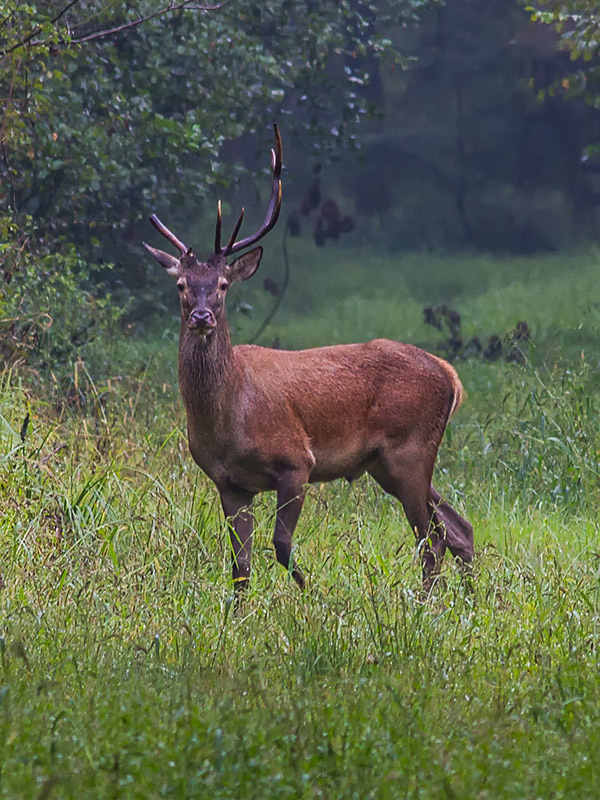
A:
x: 202, y: 322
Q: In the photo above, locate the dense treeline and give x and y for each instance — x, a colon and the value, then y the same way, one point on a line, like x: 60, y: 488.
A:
x: 98, y: 123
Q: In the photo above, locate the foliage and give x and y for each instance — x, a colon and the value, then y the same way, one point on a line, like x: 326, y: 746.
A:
x: 576, y: 20
x: 578, y: 25
x: 51, y: 309
x: 104, y: 117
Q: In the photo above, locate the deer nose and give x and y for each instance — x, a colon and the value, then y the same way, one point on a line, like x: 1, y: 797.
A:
x: 201, y: 320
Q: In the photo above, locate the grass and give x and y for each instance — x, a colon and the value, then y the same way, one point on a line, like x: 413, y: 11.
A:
x: 124, y: 671
x: 363, y: 294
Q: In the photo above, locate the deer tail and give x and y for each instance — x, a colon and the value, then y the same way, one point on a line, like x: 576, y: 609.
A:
x: 457, y: 393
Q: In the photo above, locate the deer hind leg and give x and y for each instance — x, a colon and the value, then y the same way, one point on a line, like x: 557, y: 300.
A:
x: 405, y: 473
x: 291, y: 489
x: 457, y: 532
x: 237, y: 506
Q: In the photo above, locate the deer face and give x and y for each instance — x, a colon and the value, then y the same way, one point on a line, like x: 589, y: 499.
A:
x: 203, y: 285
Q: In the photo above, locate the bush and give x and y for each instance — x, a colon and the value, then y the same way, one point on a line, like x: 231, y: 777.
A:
x: 51, y: 311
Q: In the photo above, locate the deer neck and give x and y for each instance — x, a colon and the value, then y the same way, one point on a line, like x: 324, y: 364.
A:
x: 205, y: 369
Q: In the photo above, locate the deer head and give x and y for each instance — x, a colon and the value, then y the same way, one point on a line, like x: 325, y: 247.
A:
x: 203, y: 285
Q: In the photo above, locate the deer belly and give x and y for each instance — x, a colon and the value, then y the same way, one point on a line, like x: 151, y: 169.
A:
x: 341, y: 461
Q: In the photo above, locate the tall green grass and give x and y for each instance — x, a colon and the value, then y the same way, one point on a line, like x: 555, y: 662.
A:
x: 125, y: 671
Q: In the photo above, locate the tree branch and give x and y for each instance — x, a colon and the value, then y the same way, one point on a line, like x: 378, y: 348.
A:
x: 27, y: 39
x: 286, y: 279
x: 185, y: 6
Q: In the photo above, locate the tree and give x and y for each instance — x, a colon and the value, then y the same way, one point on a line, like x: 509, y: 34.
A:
x: 107, y: 110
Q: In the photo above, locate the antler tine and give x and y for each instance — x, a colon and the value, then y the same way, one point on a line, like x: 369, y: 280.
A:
x: 218, y: 229
x: 168, y: 235
x: 236, y: 230
x: 273, y: 208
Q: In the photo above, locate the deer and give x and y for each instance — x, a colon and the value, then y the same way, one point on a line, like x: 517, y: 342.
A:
x: 262, y: 419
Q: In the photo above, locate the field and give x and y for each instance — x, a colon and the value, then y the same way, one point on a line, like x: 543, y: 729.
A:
x: 125, y: 671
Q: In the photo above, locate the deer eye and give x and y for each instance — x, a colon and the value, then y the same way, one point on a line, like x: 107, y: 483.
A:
x: 180, y: 286
x: 223, y: 284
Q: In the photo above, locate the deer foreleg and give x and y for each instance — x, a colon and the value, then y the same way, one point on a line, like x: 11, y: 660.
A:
x: 290, y: 499
x: 237, y: 506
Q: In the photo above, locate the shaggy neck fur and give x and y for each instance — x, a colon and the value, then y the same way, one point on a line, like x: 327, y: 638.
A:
x: 205, y: 367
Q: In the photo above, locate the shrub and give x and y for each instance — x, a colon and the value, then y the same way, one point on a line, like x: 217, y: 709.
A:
x: 53, y: 308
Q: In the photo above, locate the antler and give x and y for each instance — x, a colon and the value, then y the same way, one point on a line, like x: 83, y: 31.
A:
x: 271, y: 216
x: 167, y: 234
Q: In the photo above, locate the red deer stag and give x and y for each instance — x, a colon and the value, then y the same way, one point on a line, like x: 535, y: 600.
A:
x: 260, y: 419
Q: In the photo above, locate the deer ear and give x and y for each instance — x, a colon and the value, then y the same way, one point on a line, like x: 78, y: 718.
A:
x: 168, y: 262
x: 245, y: 266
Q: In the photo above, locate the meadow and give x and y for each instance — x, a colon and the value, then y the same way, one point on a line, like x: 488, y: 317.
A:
x: 125, y: 671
